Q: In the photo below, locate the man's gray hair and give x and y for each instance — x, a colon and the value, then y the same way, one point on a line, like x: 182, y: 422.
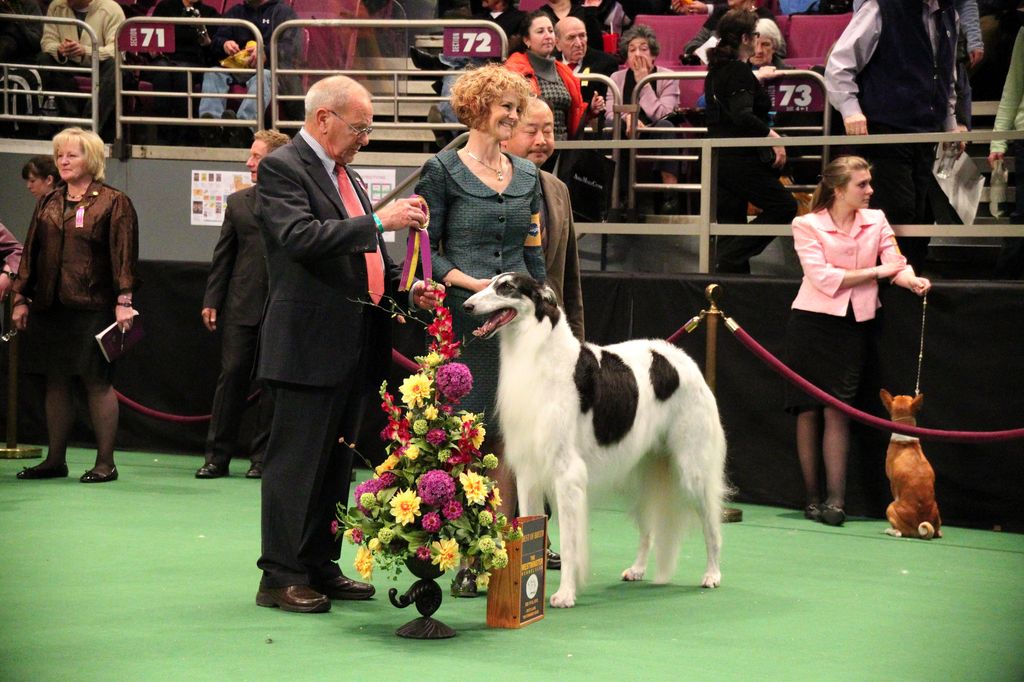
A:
x: 331, y: 93
x: 769, y: 29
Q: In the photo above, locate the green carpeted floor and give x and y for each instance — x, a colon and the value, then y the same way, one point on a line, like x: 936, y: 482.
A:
x: 153, y: 577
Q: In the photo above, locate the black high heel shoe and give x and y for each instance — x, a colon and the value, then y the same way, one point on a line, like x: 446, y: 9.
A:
x: 40, y: 472
x: 93, y: 477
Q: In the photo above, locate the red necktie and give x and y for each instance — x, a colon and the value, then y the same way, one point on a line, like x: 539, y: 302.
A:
x: 374, y: 261
x: 573, y: 65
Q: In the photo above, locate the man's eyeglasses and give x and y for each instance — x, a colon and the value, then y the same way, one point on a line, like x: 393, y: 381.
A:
x: 368, y: 130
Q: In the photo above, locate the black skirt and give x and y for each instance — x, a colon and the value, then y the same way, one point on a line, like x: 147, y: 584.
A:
x: 829, y: 352
x: 61, y: 342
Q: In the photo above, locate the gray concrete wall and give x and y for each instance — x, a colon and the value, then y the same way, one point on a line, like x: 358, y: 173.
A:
x: 159, y: 188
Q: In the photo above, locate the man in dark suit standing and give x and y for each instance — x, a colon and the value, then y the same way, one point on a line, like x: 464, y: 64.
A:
x: 235, y: 293
x: 322, y: 348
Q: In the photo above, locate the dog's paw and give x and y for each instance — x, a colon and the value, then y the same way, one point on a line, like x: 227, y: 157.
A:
x: 711, y: 579
x: 633, y: 573
x: 563, y: 599
x: 893, y: 532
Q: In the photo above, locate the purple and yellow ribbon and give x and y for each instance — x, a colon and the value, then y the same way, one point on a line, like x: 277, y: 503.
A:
x: 417, y: 248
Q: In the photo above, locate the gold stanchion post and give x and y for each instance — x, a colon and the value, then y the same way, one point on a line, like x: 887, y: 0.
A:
x: 12, y: 451
x: 713, y: 315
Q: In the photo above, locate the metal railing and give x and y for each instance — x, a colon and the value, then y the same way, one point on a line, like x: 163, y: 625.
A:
x: 120, y: 92
x: 93, y: 71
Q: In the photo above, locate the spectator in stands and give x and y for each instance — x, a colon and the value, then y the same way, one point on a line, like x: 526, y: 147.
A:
x: 737, y: 106
x: 556, y: 10
x: 767, y: 40
x: 571, y: 43
x: 840, y: 244
x: 484, y: 220
x: 710, y: 28
x: 610, y: 16
x: 40, y: 175
x: 549, y: 79
x: 236, y: 292
x: 65, y: 45
x: 193, y: 47
x: 10, y: 257
x: 534, y: 140
x: 229, y: 40
x: 1010, y: 116
x: 19, y: 40
x: 78, y: 276
x: 891, y: 71
x: 639, y: 47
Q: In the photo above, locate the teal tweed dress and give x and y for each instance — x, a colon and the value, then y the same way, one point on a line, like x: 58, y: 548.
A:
x: 482, y: 233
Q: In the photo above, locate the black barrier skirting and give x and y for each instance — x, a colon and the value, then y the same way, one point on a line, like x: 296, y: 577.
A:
x: 970, y: 378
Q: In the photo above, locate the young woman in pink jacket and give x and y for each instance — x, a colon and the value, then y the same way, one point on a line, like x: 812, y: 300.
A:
x: 844, y: 249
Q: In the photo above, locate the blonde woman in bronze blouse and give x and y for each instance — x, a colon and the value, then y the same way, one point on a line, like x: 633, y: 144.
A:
x: 76, y: 277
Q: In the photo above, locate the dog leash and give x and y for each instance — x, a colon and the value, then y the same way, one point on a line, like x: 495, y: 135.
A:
x: 920, y: 351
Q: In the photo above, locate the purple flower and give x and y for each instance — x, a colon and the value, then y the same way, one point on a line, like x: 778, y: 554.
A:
x: 423, y: 553
x: 454, y: 380
x: 436, y: 436
x: 387, y: 479
x: 334, y: 527
x: 435, y: 487
x: 452, y: 510
x: 357, y: 536
x: 371, y: 485
x: 431, y: 522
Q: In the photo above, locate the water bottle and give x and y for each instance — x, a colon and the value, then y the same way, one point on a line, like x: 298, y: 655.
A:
x: 997, y: 189
x: 49, y: 107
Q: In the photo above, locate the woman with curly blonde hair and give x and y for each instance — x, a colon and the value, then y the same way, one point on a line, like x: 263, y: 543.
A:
x: 484, y: 218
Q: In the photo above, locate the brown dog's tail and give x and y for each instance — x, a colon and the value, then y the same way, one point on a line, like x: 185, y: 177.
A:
x: 925, y: 530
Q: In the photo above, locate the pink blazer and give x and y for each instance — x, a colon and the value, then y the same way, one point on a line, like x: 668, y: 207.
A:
x: 826, y: 254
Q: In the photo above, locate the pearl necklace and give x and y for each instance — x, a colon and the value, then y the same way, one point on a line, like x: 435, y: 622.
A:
x: 497, y: 171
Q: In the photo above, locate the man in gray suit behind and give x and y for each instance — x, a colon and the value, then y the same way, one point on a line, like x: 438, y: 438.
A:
x: 236, y: 291
x: 322, y: 350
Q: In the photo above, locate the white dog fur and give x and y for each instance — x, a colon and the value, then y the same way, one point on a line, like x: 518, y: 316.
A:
x: 669, y: 460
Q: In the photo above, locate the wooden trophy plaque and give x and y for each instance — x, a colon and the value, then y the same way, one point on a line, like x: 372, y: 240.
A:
x: 515, y: 595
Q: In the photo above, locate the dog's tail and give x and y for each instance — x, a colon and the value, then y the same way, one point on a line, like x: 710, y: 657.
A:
x: 925, y: 530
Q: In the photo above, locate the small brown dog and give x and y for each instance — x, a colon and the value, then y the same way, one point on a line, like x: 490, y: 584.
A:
x: 913, y: 511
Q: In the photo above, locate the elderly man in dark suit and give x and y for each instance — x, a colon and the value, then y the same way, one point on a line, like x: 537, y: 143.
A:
x: 571, y: 41
x: 235, y: 293
x: 323, y: 349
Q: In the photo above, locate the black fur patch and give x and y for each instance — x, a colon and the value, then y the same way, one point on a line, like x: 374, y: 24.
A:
x: 610, y: 389
x: 664, y: 377
x: 542, y: 306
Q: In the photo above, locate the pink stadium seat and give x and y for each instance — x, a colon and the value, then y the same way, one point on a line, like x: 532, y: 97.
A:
x: 782, y: 21
x: 228, y: 4
x: 811, y: 36
x: 531, y: 5
x: 673, y: 32
x: 690, y: 89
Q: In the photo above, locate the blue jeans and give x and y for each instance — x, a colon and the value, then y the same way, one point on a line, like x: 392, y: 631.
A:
x: 217, y: 83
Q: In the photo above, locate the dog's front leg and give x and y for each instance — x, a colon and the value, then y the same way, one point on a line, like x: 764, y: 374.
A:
x: 571, y: 502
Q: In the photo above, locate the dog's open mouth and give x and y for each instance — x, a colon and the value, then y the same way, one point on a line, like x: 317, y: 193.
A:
x: 495, y: 322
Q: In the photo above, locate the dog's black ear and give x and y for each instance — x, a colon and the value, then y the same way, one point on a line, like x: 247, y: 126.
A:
x: 549, y: 295
x: 545, y: 303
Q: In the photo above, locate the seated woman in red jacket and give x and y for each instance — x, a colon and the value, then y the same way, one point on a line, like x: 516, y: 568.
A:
x: 844, y: 249
x: 77, y: 275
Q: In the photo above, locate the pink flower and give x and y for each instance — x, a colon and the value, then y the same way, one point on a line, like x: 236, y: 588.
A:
x: 431, y: 522
x: 436, y: 436
x: 357, y: 536
x: 454, y: 380
x: 452, y: 510
x: 435, y: 487
x: 423, y: 553
x: 334, y: 527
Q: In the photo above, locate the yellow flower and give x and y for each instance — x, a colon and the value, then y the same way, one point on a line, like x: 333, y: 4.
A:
x: 387, y: 465
x: 468, y: 418
x: 483, y: 580
x: 415, y: 390
x: 475, y: 486
x: 373, y: 544
x: 433, y: 359
x: 364, y: 562
x: 478, y: 439
x: 445, y: 554
x: 412, y: 452
x: 405, y: 506
x: 495, y: 497
x: 430, y: 413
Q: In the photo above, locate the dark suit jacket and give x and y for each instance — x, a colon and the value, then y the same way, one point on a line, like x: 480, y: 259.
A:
x: 561, y: 259
x: 237, y: 285
x: 596, y: 61
x: 316, y: 323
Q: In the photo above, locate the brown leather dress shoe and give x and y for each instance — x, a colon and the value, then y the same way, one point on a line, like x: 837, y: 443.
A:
x: 211, y: 470
x: 297, y: 598
x: 345, y: 588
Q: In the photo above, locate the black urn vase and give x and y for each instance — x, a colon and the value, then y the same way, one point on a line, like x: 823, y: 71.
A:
x: 426, y: 594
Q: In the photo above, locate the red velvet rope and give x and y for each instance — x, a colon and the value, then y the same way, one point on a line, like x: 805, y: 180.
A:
x: 396, y: 357
x: 871, y: 420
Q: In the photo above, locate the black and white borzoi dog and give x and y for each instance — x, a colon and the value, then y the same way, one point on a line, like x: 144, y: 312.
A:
x: 637, y: 415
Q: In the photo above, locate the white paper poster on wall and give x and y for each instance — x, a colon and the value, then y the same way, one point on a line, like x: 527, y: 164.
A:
x: 210, y: 190
x: 378, y: 182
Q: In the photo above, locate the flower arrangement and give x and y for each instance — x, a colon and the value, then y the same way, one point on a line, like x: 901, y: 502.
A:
x: 431, y: 498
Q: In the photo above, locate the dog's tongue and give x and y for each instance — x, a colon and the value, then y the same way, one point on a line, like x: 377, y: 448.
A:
x: 494, y: 322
